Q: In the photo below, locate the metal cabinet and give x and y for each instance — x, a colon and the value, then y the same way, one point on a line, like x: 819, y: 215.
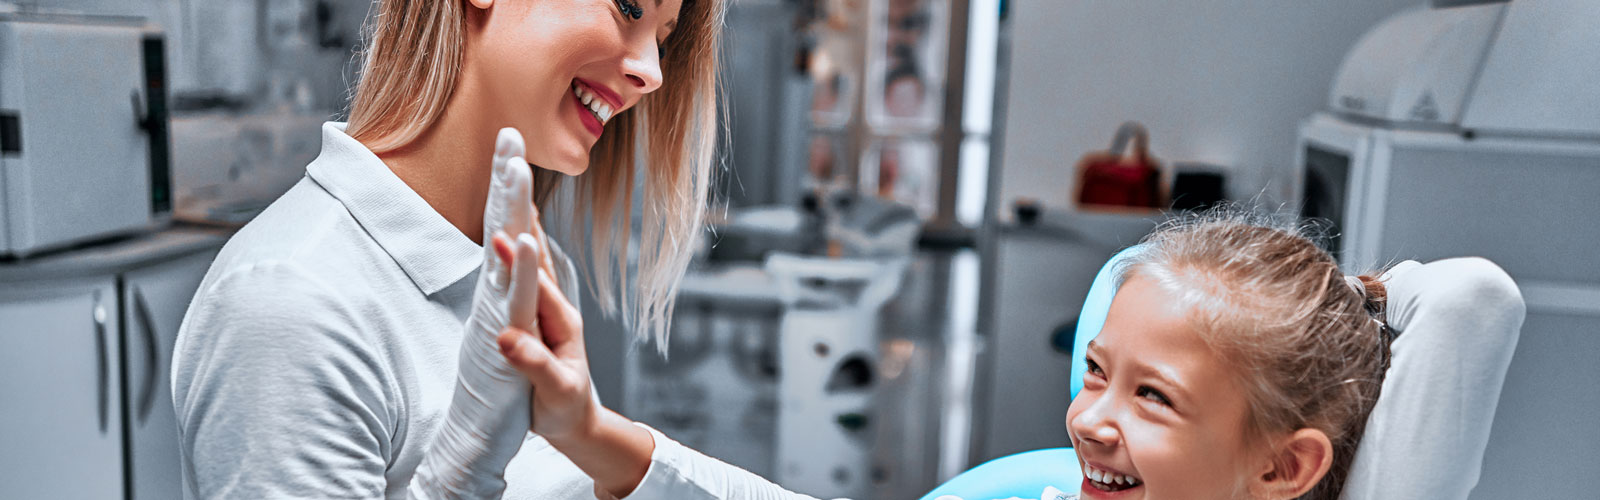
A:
x: 154, y: 300
x: 60, y: 399
x: 86, y: 341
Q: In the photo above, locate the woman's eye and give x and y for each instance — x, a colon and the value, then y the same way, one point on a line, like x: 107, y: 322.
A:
x: 630, y: 9
x: 1154, y: 395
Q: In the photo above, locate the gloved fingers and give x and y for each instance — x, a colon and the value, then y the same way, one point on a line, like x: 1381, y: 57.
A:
x: 507, y: 211
x: 510, y: 195
x: 507, y: 143
x: 518, y: 201
x: 524, y: 304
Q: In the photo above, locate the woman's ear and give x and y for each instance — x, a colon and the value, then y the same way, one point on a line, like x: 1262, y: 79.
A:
x: 482, y: 4
x: 1297, y: 465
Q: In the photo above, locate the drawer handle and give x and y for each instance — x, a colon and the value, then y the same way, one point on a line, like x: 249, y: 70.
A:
x: 152, y: 357
x: 99, y: 314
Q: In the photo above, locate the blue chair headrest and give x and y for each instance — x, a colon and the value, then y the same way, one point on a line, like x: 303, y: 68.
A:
x: 1093, y: 315
x: 1023, y: 475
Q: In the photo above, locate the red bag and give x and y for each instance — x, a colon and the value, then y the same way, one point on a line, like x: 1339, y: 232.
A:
x: 1126, y: 176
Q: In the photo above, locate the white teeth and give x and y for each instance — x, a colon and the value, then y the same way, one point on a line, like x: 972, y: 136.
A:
x: 595, y: 104
x: 1109, y: 478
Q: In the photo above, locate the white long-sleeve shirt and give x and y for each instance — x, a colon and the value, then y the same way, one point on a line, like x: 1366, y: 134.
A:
x: 319, y: 356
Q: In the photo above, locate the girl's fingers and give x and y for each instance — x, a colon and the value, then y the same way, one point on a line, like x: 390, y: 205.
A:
x: 535, y: 361
x: 544, y: 244
x: 558, y: 319
x: 504, y: 254
x: 528, y: 355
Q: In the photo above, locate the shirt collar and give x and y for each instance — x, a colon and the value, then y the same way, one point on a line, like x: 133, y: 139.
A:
x: 431, y: 251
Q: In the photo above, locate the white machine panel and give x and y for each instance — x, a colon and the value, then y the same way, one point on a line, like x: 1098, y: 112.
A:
x: 1417, y: 66
x: 1540, y: 75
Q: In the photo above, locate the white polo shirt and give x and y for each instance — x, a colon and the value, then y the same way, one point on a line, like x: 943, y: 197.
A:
x: 319, y: 356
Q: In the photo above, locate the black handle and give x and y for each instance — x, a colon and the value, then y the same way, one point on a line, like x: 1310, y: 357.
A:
x: 152, y: 355
x: 99, y: 313
x: 156, y: 121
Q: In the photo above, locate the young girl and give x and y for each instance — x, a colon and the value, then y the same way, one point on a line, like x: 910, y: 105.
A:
x: 1237, y: 361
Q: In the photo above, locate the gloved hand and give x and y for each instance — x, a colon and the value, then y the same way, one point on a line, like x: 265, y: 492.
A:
x: 488, y: 417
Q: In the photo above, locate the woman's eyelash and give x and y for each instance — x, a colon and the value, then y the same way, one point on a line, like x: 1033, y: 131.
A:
x: 630, y: 8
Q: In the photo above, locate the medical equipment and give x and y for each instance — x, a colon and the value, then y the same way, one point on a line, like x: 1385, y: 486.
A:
x: 829, y: 355
x: 1470, y: 130
x: 83, y: 145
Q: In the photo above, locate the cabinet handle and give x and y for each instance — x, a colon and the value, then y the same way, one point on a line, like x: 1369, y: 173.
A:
x: 152, y: 354
x: 105, y: 361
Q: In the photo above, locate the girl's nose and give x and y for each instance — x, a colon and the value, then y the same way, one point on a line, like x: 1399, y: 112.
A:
x: 1095, y: 424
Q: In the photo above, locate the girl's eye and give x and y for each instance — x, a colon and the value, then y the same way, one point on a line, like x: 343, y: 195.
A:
x: 1154, y: 395
x: 1094, y: 368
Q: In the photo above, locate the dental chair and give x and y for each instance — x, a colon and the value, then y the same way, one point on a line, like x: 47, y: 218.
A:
x: 1425, y: 439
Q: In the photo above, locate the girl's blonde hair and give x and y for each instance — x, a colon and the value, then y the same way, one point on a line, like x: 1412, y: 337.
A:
x: 1311, y: 347
x: 412, y: 61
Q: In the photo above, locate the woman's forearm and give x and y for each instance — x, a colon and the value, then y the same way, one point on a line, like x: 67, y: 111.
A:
x: 612, y: 450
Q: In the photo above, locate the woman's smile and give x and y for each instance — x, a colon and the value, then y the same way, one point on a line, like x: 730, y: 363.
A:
x: 596, y: 105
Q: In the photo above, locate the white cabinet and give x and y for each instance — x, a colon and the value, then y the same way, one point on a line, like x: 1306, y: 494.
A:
x: 154, y: 300
x: 60, y: 397
x: 86, y: 342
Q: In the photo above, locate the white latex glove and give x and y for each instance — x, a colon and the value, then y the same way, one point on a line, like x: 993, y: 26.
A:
x: 488, y: 417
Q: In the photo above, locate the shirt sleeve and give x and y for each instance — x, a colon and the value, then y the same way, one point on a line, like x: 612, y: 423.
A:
x: 1458, y: 321
x: 680, y: 473
x: 278, y: 393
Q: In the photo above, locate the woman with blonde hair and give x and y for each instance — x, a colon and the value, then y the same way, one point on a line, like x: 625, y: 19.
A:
x: 324, y: 355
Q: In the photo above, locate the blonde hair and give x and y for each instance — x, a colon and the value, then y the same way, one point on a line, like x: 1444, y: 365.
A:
x: 411, y: 63
x: 1311, y: 348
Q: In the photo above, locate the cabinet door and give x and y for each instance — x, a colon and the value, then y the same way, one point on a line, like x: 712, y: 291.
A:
x: 154, y: 301
x: 60, y: 397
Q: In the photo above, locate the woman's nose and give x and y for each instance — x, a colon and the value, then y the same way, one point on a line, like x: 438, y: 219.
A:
x: 1095, y: 424
x: 643, y: 67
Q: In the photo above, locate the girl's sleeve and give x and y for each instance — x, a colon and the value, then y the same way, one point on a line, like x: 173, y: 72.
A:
x: 680, y: 473
x: 1458, y: 322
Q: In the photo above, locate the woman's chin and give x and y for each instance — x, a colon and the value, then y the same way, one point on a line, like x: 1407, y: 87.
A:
x: 571, y: 163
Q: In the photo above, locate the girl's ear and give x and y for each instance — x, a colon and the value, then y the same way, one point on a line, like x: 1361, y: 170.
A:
x: 1297, y: 465
x: 482, y: 4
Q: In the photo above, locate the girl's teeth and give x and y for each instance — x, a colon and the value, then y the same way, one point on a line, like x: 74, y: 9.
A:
x: 1109, y: 478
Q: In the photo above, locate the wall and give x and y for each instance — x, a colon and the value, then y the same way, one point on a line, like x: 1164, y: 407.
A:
x: 1217, y: 81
